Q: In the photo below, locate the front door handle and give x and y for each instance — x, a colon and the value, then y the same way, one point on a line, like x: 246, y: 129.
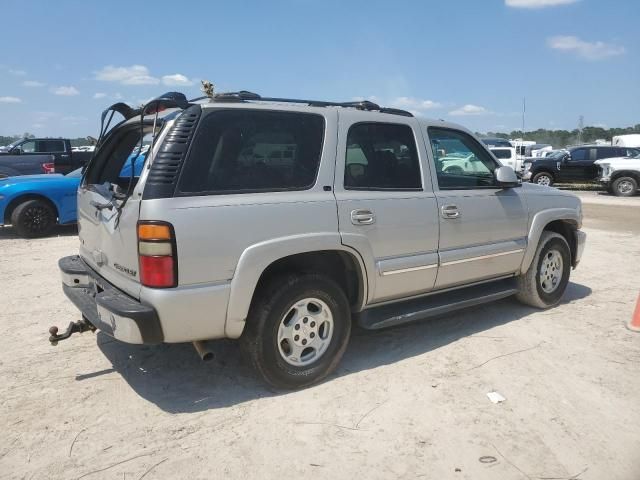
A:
x: 362, y: 217
x: 450, y: 211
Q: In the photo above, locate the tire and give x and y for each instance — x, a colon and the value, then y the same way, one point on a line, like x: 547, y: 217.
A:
x: 33, y: 218
x: 272, y: 310
x: 531, y: 289
x: 624, y: 187
x: 543, y: 178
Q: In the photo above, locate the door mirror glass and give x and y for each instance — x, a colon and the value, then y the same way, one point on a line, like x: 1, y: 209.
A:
x: 16, y: 151
x: 506, y: 177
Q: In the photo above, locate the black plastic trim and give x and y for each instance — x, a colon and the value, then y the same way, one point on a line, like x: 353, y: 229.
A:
x: 110, y: 298
x: 168, y: 161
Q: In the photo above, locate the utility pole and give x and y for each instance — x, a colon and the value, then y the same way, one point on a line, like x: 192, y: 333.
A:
x: 580, y: 128
x: 524, y: 108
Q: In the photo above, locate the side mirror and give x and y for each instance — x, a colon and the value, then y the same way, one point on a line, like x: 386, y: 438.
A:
x: 566, y: 158
x: 16, y: 151
x: 506, y: 177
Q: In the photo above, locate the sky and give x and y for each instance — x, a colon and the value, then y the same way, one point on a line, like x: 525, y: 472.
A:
x: 467, y: 61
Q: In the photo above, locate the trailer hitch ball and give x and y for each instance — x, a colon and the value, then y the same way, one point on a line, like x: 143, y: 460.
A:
x: 74, y: 327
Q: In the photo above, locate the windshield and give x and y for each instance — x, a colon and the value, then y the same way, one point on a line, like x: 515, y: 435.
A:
x: 77, y: 173
x: 556, y: 155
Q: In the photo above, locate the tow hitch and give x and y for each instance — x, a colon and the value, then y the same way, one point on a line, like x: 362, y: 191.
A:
x: 74, y: 327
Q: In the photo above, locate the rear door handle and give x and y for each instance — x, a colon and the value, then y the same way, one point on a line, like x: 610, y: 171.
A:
x: 362, y: 217
x: 450, y: 211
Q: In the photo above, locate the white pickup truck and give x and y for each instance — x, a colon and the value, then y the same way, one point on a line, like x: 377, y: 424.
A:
x: 507, y: 157
x: 620, y: 175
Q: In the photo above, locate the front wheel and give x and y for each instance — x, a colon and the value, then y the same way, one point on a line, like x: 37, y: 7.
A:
x: 33, y: 218
x: 297, y: 330
x: 624, y: 187
x: 543, y: 178
x: 544, y: 283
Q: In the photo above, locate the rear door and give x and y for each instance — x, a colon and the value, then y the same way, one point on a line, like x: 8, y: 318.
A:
x: 386, y: 209
x: 483, y: 227
x: 107, y: 227
x: 57, y: 148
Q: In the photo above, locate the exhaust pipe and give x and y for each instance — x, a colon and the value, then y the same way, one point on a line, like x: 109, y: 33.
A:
x: 203, y: 351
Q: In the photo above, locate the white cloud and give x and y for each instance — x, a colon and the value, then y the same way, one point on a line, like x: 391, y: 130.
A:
x: 65, y: 91
x: 584, y: 49
x: 17, y: 73
x: 133, y: 75
x: 99, y: 95
x: 32, y: 83
x: 415, y: 104
x: 537, y: 3
x: 37, y: 125
x: 10, y: 100
x: 176, y: 79
x: 469, y: 109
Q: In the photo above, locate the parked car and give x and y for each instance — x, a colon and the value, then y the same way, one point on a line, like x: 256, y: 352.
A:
x: 574, y: 165
x: 220, y: 239
x: 507, y: 156
x: 35, y: 204
x: 631, y: 140
x: 620, y: 175
x: 31, y: 156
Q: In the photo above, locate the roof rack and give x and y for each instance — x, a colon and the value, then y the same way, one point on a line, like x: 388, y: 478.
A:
x: 244, y: 95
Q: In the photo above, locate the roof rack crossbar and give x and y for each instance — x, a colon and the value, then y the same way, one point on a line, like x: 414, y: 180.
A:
x: 367, y: 105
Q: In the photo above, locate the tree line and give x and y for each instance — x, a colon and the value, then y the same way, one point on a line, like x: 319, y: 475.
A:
x: 564, y: 138
x: 7, y: 139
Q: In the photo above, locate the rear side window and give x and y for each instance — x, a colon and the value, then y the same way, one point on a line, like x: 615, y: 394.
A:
x: 50, y: 146
x: 381, y: 156
x: 502, y: 153
x: 253, y: 151
x: 606, y: 153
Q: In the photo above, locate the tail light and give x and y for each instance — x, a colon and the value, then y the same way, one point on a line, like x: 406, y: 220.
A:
x: 49, y: 167
x: 157, y: 254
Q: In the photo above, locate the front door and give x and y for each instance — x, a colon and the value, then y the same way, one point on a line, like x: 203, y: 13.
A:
x: 483, y: 228
x: 578, y: 166
x: 386, y: 209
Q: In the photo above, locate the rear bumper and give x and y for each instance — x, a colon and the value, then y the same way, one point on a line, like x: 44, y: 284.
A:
x: 581, y: 240
x: 107, y: 308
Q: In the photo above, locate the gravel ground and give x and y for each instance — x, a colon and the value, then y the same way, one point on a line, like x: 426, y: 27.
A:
x: 405, y: 403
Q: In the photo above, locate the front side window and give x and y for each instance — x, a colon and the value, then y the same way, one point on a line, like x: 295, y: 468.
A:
x: 254, y: 151
x: 580, y: 154
x: 28, y: 147
x: 381, y: 156
x: 461, y: 162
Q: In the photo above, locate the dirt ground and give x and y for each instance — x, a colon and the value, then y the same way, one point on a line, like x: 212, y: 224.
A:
x: 410, y: 402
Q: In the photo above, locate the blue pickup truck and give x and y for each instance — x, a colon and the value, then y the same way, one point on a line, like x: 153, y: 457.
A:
x: 35, y: 204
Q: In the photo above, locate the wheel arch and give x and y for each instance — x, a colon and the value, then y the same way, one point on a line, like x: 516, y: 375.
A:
x: 305, y: 253
x: 564, y: 221
x: 13, y: 204
x: 635, y: 174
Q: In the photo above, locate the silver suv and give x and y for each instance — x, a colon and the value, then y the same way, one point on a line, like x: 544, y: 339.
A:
x: 279, y: 222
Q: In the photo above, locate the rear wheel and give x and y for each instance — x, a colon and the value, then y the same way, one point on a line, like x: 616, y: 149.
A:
x: 33, y: 218
x: 544, y: 283
x: 297, y: 330
x: 543, y: 178
x: 624, y: 187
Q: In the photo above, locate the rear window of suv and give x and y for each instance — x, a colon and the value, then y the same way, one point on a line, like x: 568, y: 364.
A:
x: 241, y: 151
